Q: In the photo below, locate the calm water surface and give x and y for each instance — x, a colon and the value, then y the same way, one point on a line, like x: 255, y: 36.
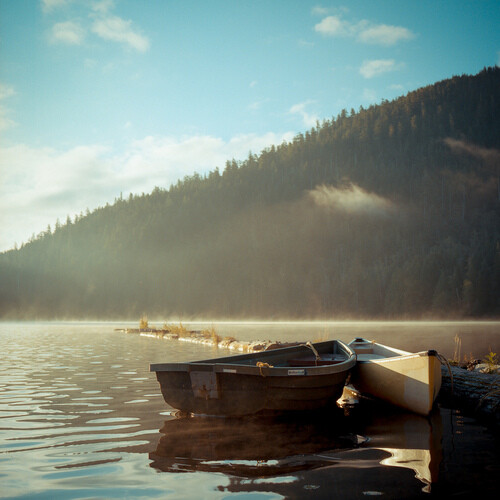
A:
x: 82, y: 417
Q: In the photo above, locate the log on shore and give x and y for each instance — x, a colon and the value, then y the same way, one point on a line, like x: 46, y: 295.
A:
x: 477, y: 393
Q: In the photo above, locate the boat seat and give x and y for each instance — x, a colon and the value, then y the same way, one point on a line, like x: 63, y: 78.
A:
x: 326, y: 359
x: 368, y: 357
x: 363, y: 349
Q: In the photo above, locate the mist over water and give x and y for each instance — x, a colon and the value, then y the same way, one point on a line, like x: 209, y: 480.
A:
x: 82, y: 416
x: 477, y: 338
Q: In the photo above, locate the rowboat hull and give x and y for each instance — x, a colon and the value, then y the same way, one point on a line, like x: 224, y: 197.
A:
x: 408, y: 380
x: 236, y: 385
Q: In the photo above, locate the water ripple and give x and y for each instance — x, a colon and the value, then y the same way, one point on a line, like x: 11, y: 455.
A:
x: 80, y: 416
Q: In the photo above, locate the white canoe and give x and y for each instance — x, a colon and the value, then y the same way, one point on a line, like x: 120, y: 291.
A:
x: 409, y: 380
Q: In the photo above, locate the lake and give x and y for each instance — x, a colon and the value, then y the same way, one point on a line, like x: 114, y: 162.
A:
x: 82, y: 417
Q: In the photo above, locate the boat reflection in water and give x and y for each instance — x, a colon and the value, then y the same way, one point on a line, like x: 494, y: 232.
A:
x: 250, y: 446
x: 414, y: 442
x: 338, y: 447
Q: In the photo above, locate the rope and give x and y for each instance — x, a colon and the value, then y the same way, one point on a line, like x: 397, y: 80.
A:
x: 261, y: 365
x: 313, y: 349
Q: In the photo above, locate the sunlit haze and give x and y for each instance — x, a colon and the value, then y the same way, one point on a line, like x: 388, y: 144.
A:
x: 109, y: 97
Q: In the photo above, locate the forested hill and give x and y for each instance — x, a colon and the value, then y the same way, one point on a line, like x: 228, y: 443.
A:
x: 391, y: 211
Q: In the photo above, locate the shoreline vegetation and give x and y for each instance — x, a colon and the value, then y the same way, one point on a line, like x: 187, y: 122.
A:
x: 470, y: 384
x: 207, y: 336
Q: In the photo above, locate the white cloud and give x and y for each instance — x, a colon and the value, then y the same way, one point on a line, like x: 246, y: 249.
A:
x: 6, y: 91
x: 39, y: 185
x: 103, y: 6
x: 118, y: 30
x: 308, y: 119
x: 305, y: 43
x: 333, y: 26
x: 396, y: 86
x: 385, y: 35
x: 364, y: 31
x: 68, y: 32
x: 376, y: 67
x: 5, y: 121
x: 102, y: 23
x: 49, y: 5
x: 319, y: 11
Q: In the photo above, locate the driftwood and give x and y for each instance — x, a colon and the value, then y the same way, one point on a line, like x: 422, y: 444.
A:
x: 477, y: 393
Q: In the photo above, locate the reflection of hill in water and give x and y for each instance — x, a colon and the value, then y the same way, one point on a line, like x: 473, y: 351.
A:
x: 249, y: 446
x: 257, y: 448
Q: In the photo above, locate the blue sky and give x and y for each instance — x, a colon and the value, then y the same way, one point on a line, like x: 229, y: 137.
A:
x: 104, y: 97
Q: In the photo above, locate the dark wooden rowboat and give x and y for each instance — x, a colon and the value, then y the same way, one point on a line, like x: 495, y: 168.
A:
x: 299, y: 378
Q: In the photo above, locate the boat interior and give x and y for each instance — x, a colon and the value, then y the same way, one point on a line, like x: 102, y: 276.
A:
x: 320, y: 354
x: 367, y: 350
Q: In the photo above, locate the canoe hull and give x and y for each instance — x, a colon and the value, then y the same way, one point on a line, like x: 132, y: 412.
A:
x: 408, y: 380
x: 233, y: 386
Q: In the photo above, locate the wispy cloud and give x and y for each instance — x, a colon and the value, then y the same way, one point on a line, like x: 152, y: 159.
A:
x: 396, y: 86
x: 385, y: 35
x: 350, y: 199
x: 363, y: 31
x: 308, y: 119
x: 486, y: 154
x: 334, y: 26
x: 257, y: 104
x: 100, y: 21
x: 6, y: 91
x: 103, y: 6
x: 116, y: 29
x: 68, y: 32
x: 376, y: 67
x: 40, y: 185
x: 305, y: 43
x: 319, y: 10
x: 49, y: 5
x: 5, y: 122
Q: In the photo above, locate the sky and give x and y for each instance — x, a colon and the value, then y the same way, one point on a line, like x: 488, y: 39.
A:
x: 102, y: 98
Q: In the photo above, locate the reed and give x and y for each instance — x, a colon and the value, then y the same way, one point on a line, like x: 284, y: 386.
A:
x: 143, y: 322
x: 457, y: 351
x: 210, y: 333
x: 179, y: 330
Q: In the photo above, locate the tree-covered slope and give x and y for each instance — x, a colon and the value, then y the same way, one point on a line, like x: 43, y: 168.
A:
x: 390, y: 211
